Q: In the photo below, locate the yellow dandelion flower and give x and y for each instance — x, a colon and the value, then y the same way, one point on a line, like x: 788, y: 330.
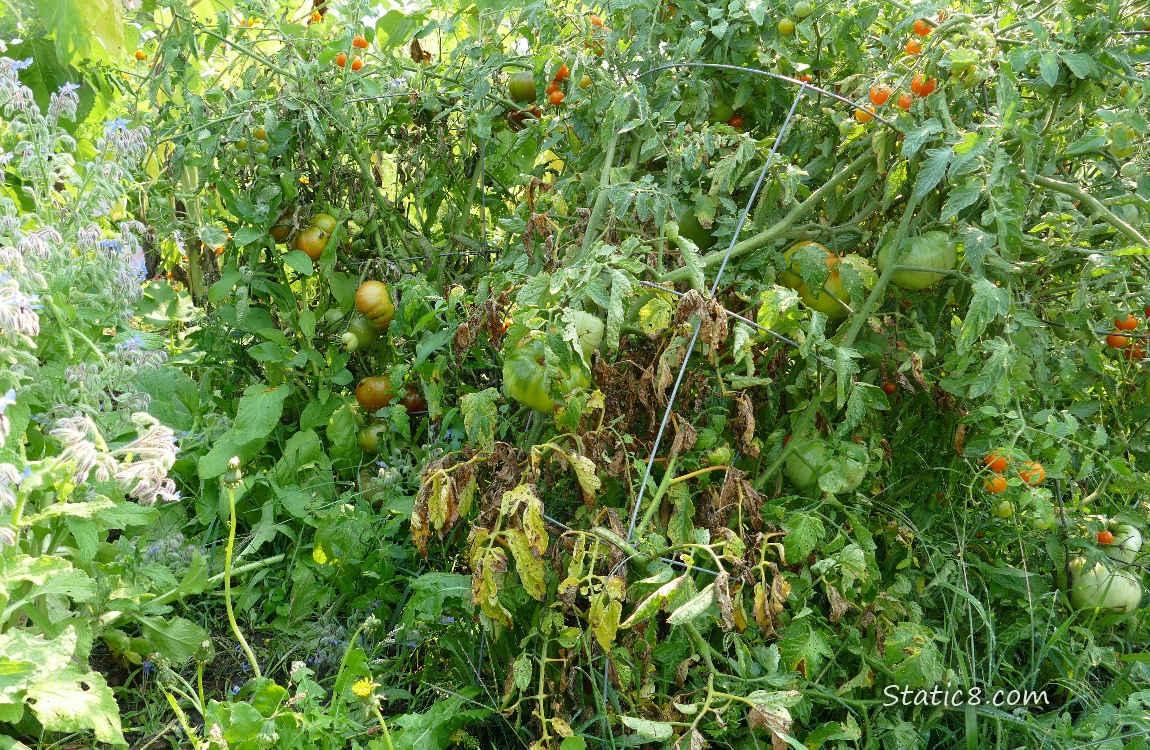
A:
x: 304, y: 180
x: 363, y: 688
x: 319, y: 555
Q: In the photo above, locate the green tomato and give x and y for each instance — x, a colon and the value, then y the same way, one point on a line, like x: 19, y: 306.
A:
x: 826, y: 303
x: 692, y: 229
x: 1122, y: 141
x: 521, y: 87
x: 1004, y: 509
x: 802, y: 9
x: 814, y: 464
x: 262, y: 147
x: 1107, y: 591
x: 786, y: 27
x: 525, y: 376
x: 721, y: 111
x: 360, y: 334
x: 1130, y: 170
x: 369, y: 436
x: 930, y: 250
x: 1127, y: 542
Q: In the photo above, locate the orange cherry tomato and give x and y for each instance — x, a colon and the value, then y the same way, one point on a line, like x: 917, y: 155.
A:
x: 905, y: 101
x: 359, y: 41
x: 1129, y: 323
x: 879, y: 95
x: 995, y: 461
x: 1114, y: 341
x: 922, y: 86
x: 140, y: 55
x: 914, y: 47
x: 805, y: 78
x: 996, y: 484
x: 595, y: 20
x: 356, y: 64
x: 864, y: 115
x: 1105, y: 537
x: 922, y: 28
x: 557, y: 98
x: 551, y: 88
x: 1033, y: 473
x: 341, y: 59
x: 562, y: 73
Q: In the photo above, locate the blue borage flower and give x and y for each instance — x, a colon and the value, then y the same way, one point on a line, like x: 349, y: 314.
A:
x: 8, y: 399
x: 22, y: 64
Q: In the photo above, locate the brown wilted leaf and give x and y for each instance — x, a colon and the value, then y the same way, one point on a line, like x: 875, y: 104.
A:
x: 839, y: 605
x: 668, y: 369
x: 685, y: 437
x: 464, y: 338
x: 418, y: 54
x: 744, y: 425
x: 960, y: 439
x: 723, y: 599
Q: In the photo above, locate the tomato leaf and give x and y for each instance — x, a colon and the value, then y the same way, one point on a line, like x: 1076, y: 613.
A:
x: 479, y: 417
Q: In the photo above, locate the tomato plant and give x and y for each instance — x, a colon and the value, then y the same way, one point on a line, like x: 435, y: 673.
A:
x: 521, y: 86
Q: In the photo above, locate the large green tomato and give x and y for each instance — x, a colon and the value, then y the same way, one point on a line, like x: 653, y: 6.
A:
x: 692, y: 229
x: 369, y: 436
x: 930, y: 250
x: 360, y: 334
x: 827, y: 304
x: 816, y: 464
x: 525, y: 376
x: 521, y: 86
x: 1108, y: 591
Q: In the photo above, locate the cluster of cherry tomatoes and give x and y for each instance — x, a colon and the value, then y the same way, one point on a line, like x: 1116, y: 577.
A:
x: 1031, y: 472
x: 358, y: 42
x: 1132, y: 349
x: 921, y: 86
x: 554, y: 89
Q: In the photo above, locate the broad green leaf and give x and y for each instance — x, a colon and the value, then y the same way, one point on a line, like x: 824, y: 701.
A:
x: 72, y: 701
x: 693, y: 607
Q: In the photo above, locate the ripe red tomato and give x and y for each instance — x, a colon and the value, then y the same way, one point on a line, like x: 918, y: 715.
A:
x: 996, y: 484
x: 341, y: 59
x: 805, y: 78
x: 1129, y: 323
x: 996, y: 461
x: 374, y: 392
x: 557, y: 98
x: 413, y: 400
x: 552, y: 88
x: 914, y: 47
x: 736, y: 122
x: 1114, y: 341
x: 312, y: 241
x: 922, y: 28
x: 374, y: 300
x: 1033, y: 473
x: 889, y: 388
x: 905, y: 101
x: 1105, y: 537
x: 879, y: 95
x: 1135, y: 352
